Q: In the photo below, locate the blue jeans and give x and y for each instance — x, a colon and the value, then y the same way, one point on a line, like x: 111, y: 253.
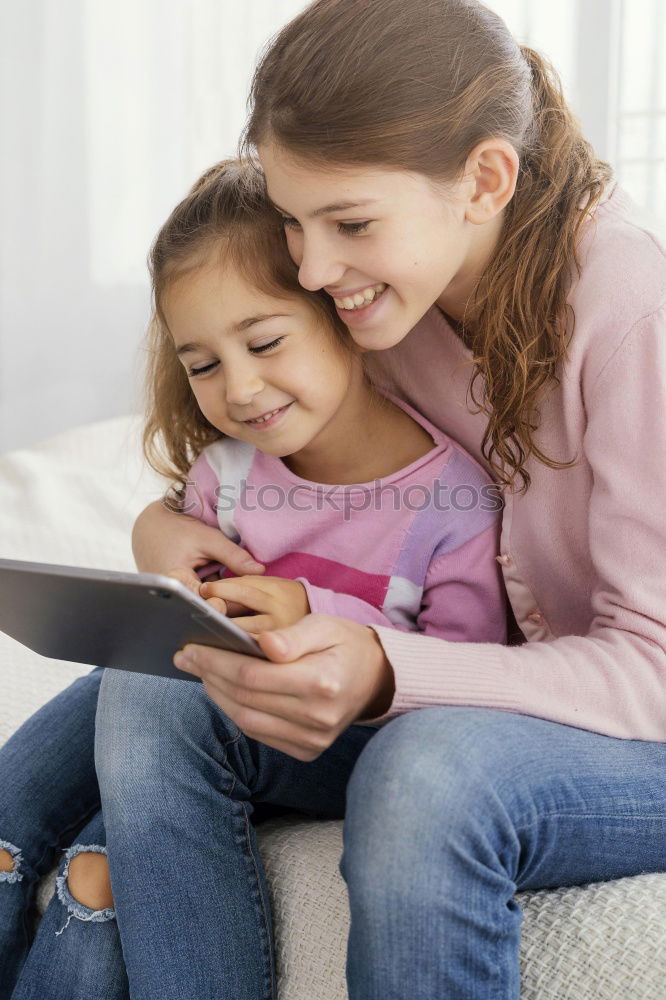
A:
x: 179, y: 785
x: 50, y: 806
x: 447, y: 812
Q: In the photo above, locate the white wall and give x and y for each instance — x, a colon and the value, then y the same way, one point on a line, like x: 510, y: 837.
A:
x: 110, y: 108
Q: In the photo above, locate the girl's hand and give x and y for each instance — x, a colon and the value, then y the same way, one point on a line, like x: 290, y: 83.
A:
x: 325, y: 673
x: 278, y: 602
x: 162, y: 539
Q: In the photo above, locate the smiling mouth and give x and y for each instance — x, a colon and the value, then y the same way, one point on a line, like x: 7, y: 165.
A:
x: 360, y: 300
x: 265, y: 417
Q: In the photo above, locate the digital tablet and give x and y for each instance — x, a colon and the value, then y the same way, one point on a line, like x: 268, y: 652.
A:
x: 131, y: 621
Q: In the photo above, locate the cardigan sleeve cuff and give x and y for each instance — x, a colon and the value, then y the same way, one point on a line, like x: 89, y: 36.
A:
x: 430, y: 671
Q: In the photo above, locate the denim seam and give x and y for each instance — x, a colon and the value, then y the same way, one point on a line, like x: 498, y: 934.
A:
x: 248, y: 841
x: 226, y: 759
x: 76, y: 825
x: 570, y: 815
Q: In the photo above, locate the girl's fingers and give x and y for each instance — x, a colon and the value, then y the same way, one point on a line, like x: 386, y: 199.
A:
x: 254, y: 624
x: 254, y: 676
x: 186, y: 576
x: 284, y: 726
x: 284, y: 706
x: 240, y: 591
x: 311, y: 634
x: 163, y: 538
x: 234, y: 609
x: 218, y: 604
x: 267, y: 729
x: 217, y: 547
x: 229, y: 608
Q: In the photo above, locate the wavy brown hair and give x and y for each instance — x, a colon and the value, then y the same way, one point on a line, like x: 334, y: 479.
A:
x: 227, y: 213
x: 415, y: 85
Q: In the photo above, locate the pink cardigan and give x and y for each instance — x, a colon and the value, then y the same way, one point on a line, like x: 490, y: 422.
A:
x: 584, y: 551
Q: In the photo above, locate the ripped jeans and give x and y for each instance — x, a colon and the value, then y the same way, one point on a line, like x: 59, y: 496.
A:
x: 50, y: 806
x: 50, y: 811
x: 447, y: 812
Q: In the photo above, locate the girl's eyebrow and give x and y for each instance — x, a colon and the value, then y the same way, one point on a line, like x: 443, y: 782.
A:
x: 244, y: 324
x: 336, y: 206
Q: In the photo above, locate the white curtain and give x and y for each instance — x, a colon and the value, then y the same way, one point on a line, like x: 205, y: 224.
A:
x: 610, y: 54
x: 110, y: 108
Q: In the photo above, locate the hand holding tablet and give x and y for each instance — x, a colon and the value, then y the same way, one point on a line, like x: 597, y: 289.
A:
x: 130, y: 621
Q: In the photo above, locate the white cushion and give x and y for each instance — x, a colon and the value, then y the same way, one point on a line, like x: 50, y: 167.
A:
x: 73, y: 500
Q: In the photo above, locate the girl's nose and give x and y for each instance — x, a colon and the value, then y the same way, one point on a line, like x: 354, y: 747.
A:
x: 318, y: 267
x: 242, y: 386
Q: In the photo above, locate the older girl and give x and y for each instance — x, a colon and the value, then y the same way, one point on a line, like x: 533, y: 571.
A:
x: 418, y: 146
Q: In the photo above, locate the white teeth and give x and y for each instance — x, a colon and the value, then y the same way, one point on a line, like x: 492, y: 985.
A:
x: 360, y: 299
x: 266, y: 416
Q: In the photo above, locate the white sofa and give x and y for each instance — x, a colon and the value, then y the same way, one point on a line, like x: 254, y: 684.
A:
x: 73, y: 500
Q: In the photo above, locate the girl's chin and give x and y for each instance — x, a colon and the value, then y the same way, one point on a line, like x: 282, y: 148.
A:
x: 382, y: 325
x: 377, y: 340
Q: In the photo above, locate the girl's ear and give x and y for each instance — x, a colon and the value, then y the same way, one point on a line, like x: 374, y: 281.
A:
x: 492, y: 173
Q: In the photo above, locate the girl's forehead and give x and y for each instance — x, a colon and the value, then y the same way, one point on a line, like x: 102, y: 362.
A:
x: 225, y: 296
x: 319, y: 188
x: 217, y: 282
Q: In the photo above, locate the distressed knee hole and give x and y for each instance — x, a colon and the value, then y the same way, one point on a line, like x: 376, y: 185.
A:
x: 10, y: 862
x: 89, y: 880
x: 84, y: 885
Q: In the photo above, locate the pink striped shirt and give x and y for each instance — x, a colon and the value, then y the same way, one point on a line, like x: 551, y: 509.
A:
x: 414, y: 551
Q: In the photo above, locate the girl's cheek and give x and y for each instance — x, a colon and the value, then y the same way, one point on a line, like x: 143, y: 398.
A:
x: 295, y: 246
x: 206, y: 403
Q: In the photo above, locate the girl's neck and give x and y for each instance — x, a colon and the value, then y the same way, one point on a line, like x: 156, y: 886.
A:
x: 458, y: 301
x: 369, y: 438
x: 464, y: 331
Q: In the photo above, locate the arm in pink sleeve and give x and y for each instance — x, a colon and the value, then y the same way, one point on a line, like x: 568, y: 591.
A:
x: 343, y: 605
x: 200, y: 502
x: 613, y: 679
x: 200, y: 498
x: 463, y: 598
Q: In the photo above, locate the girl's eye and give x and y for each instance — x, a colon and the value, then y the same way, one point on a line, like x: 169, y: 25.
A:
x: 346, y: 228
x: 352, y: 228
x: 266, y: 347
x: 193, y: 372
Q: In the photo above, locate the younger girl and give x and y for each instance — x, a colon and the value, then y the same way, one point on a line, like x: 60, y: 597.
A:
x: 355, y: 504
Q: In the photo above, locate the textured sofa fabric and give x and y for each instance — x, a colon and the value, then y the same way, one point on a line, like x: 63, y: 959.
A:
x: 73, y: 500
